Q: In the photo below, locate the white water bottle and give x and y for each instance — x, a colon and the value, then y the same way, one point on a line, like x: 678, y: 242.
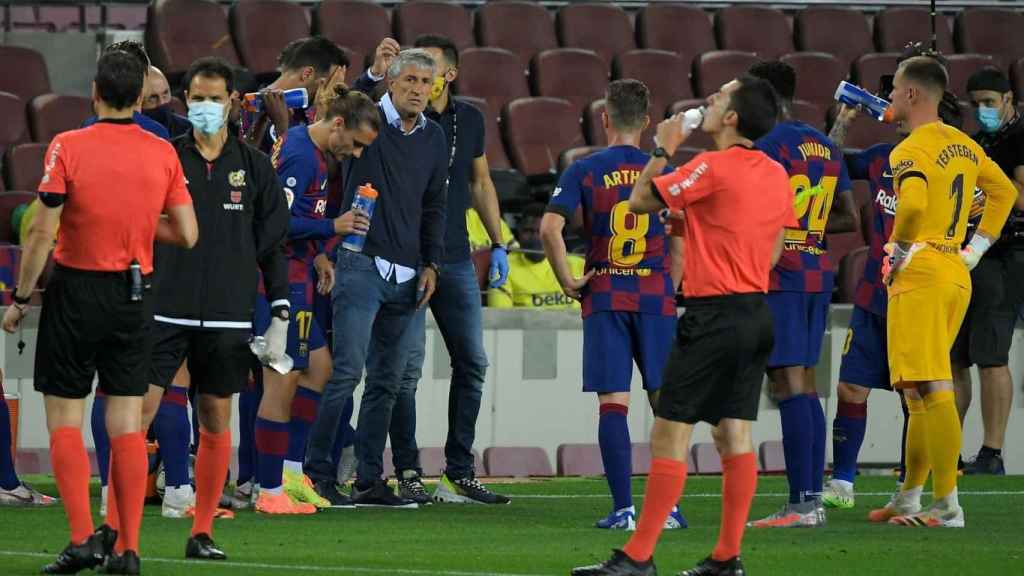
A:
x: 692, y: 119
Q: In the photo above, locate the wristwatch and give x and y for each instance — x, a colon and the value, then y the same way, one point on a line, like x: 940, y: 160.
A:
x: 20, y: 301
x: 496, y: 245
x: 659, y: 152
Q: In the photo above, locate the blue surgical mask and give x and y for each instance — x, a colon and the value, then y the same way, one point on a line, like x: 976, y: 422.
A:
x: 988, y: 118
x: 206, y: 116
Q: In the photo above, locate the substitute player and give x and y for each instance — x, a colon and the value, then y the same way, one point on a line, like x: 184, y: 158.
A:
x: 628, y: 291
x: 935, y: 169
x: 736, y: 203
x: 106, y: 187
x: 350, y: 124
x: 801, y: 289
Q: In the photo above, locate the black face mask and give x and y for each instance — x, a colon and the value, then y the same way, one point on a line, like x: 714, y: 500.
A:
x: 161, y: 114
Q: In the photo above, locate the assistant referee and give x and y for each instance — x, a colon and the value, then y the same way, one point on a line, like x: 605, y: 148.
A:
x: 106, y: 187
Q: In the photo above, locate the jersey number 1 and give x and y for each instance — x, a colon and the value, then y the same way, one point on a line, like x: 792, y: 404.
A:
x: 629, y: 236
x: 956, y: 191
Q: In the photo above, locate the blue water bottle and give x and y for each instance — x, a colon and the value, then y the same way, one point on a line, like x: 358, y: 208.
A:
x: 365, y: 200
x: 857, y: 97
x: 294, y: 98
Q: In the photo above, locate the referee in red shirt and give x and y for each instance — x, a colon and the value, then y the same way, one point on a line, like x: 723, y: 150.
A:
x: 735, y: 202
x: 106, y: 186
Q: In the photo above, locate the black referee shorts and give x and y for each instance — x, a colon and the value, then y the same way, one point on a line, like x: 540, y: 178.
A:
x: 718, y: 360
x: 89, y: 325
x: 997, y: 293
x: 219, y: 360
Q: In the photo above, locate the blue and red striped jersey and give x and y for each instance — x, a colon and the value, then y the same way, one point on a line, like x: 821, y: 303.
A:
x: 628, y: 252
x: 817, y: 173
x: 302, y: 169
x: 873, y: 165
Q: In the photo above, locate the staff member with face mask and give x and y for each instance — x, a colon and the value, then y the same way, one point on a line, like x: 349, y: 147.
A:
x: 987, y: 331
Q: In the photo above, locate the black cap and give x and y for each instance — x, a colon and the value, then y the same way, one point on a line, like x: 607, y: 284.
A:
x: 989, y: 78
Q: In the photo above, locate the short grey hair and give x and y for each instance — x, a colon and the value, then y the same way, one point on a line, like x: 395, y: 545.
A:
x: 416, y: 57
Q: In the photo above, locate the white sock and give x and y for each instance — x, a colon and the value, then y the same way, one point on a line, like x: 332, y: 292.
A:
x: 273, y: 491
x: 950, y: 502
x: 292, y: 466
x: 843, y: 484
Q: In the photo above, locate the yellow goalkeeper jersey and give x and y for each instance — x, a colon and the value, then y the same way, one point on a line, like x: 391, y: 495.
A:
x: 478, y: 237
x: 533, y: 285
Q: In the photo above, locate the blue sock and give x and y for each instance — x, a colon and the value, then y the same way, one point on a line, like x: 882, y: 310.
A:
x: 616, y: 453
x: 272, y: 445
x: 248, y: 405
x: 8, y: 478
x: 796, y: 444
x: 818, y: 447
x: 173, y: 433
x: 305, y: 405
x: 99, y: 436
x: 847, y: 437
x: 346, y: 435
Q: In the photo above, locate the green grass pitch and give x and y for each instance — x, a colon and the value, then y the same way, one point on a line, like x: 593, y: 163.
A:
x: 547, y: 530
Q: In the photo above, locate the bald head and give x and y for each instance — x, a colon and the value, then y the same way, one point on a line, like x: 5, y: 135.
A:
x: 157, y: 90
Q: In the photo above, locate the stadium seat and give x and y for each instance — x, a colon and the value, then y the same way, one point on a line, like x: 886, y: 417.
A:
x: 497, y: 159
x: 412, y: 19
x: 68, y: 18
x: 8, y: 202
x: 52, y: 114
x: 992, y: 31
x: 764, y: 31
x: 808, y: 113
x: 126, y: 16
x: 356, y: 66
x: 579, y: 460
x: 23, y: 73
x: 356, y: 24
x: 961, y: 66
x: 24, y: 18
x: 1017, y: 79
x: 841, y: 244
x: 593, y: 128
x: 432, y: 461
x: 863, y: 199
x: 851, y: 268
x: 869, y: 69
x: 698, y: 139
x: 641, y: 460
x: 970, y: 121
x: 714, y: 69
x: 865, y: 132
x: 571, y: 155
x: 24, y: 164
x: 772, y: 458
x: 684, y: 154
x: 13, y: 128
x: 262, y: 28
x: 603, y: 28
x: 180, y: 31
x: 897, y: 26
x: 577, y: 75
x: 666, y: 74
x: 482, y: 266
x: 517, y: 462
x: 818, y: 30
x: 493, y: 74
x: 685, y: 30
x: 705, y: 458
x: 817, y: 76
x: 524, y: 28
x: 537, y: 130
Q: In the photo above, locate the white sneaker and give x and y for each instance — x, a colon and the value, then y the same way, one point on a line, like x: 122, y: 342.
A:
x: 24, y: 495
x: 347, y: 465
x: 244, y: 496
x: 103, y: 501
x: 178, y: 502
x: 839, y: 494
x: 936, y: 516
x: 901, y: 504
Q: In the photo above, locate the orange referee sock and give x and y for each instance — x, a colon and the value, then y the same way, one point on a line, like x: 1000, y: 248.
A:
x: 664, y: 487
x: 71, y: 471
x: 128, y: 468
x: 739, y: 482
x: 211, y: 469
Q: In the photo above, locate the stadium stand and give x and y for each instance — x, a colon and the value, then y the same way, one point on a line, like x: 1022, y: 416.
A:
x: 961, y: 66
x: 685, y: 30
x: 518, y: 461
x: 23, y: 73
x: 602, y: 28
x: 537, y: 130
x: 412, y: 19
x: 991, y: 31
x: 13, y: 128
x: 24, y: 165
x: 705, y: 458
x: 771, y: 457
x: 51, y: 114
x: 869, y: 69
x: 180, y: 31
x: 816, y: 31
x: 579, y: 460
x: 492, y: 74
x: 355, y: 24
x: 666, y: 74
x: 262, y: 28
x: 497, y: 159
x: 524, y: 28
x: 713, y: 69
x: 577, y: 75
x: 8, y: 202
x: 573, y: 154
x: 898, y: 26
x: 763, y: 31
x: 817, y: 75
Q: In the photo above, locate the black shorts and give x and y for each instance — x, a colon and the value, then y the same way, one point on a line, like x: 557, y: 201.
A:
x: 218, y: 360
x: 89, y: 325
x: 718, y: 360
x: 996, y: 298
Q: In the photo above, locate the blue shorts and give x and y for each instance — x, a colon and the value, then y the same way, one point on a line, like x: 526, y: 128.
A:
x: 865, y: 357
x: 304, y: 332
x: 799, y: 327
x: 613, y: 340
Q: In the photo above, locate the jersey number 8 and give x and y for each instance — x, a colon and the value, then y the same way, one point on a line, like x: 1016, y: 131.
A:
x: 629, y: 236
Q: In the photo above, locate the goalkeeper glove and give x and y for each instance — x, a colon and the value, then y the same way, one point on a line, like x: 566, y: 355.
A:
x: 897, y: 259
x: 975, y: 249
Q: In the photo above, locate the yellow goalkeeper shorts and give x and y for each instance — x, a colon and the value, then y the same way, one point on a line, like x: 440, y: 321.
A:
x: 921, y: 326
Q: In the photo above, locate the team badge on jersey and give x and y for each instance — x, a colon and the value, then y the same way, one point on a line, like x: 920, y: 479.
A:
x: 237, y: 178
x: 236, y: 196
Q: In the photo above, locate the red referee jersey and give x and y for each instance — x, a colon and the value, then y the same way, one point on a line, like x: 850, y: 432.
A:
x: 117, y: 179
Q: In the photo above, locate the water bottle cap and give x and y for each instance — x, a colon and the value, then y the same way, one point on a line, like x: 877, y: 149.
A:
x: 368, y: 191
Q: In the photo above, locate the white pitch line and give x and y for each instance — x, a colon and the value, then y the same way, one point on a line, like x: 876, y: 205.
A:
x: 759, y: 495
x: 288, y: 567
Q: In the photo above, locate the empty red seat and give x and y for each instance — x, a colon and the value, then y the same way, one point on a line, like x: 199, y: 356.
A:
x: 593, y: 128
x: 764, y: 31
x: 23, y: 72
x: 666, y: 74
x: 842, y: 32
x: 992, y: 31
x: 714, y: 69
x: 705, y: 458
x: 68, y: 18
x: 772, y: 458
x: 537, y: 130
x: 851, y: 268
x: 869, y: 69
x: 685, y: 30
x: 524, y: 28
x: 494, y: 74
x: 52, y: 114
x: 180, y: 31
x: 24, y: 164
x: 898, y: 26
x: 808, y: 113
x: 126, y: 16
x: 517, y: 461
x: 817, y: 76
x: 356, y: 24
x: 865, y: 132
x: 575, y: 154
x: 577, y: 75
x: 960, y: 67
x: 413, y: 19
x: 579, y: 460
x: 262, y: 28
x: 356, y: 66
x: 603, y: 28
x: 497, y: 159
x: 13, y: 128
